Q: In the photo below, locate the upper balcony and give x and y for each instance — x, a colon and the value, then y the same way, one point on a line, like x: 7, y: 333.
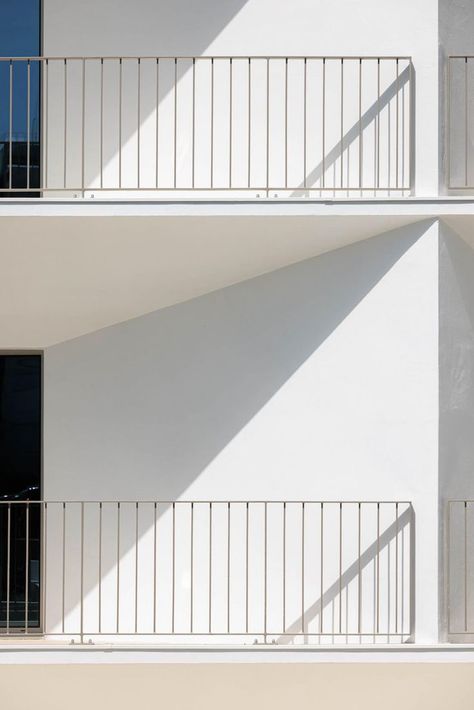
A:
x: 201, y: 127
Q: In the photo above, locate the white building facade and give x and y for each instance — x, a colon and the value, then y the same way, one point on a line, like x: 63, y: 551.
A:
x: 238, y: 239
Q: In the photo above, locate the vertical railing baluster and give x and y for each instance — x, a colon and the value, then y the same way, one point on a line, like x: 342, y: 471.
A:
x: 466, y: 121
x: 44, y: 566
x: 118, y: 570
x: 359, y: 570
x: 139, y: 89
x: 286, y: 122
x: 191, y: 605
x: 65, y: 125
x: 101, y: 122
x: 230, y: 122
x: 284, y: 568
x: 378, y: 125
x: 265, y: 572
x: 10, y: 161
x: 360, y: 126
x: 82, y: 573
x: 247, y: 568
x: 377, y: 562
x: 321, y: 589
x: 323, y: 125
x: 175, y: 120
x: 120, y: 121
x: 100, y: 569
x: 194, y: 125
x: 228, y: 567
x: 136, y: 566
x: 408, y: 131
x: 448, y: 567
x: 397, y: 125
x: 396, y: 567
x: 304, y: 123
x: 28, y: 121
x: 157, y: 121
x: 340, y: 567
x: 212, y: 123
x: 249, y: 156
x: 46, y: 123
x: 154, y: 564
x: 448, y: 126
x: 465, y: 567
x: 267, y: 181
x: 173, y: 572
x: 63, y: 569
x: 27, y: 563
x: 210, y: 567
x: 8, y: 564
x: 83, y: 130
x: 342, y: 122
x: 302, y: 568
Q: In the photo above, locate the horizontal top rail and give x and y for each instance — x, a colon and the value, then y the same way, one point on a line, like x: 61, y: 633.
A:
x: 211, y: 56
x: 217, y: 502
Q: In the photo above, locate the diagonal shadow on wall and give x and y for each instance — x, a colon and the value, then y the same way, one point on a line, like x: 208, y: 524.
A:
x: 336, y: 590
x: 356, y: 131
x: 140, y: 409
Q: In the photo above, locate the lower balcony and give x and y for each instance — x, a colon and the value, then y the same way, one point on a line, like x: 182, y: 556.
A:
x: 207, y: 572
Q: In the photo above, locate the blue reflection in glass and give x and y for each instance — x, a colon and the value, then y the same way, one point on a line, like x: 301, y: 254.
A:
x: 20, y: 27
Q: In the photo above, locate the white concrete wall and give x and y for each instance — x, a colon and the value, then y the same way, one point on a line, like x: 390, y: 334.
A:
x: 263, y: 27
x: 317, y: 381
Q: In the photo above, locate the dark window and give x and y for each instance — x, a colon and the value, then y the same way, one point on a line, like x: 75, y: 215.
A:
x: 20, y: 480
x: 20, y: 111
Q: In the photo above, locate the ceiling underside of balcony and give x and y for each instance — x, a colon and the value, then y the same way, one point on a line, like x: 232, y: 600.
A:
x: 62, y: 277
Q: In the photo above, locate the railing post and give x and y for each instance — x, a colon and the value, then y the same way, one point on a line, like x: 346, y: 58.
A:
x: 82, y: 572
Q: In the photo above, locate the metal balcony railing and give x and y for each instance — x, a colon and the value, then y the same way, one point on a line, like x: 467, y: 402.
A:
x: 284, y: 126
x: 460, y: 568
x: 207, y: 571
x: 460, y: 123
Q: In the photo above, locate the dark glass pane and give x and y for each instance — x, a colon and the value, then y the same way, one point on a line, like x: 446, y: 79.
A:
x: 20, y: 28
x: 19, y: 137
x: 20, y: 480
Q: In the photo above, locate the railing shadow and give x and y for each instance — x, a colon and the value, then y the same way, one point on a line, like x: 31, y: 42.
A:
x: 334, y: 592
x: 355, y: 133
